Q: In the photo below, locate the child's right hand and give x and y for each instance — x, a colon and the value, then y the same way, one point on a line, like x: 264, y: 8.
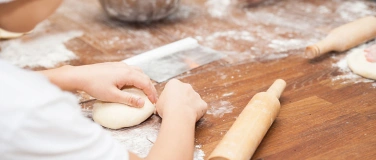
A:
x: 179, y: 98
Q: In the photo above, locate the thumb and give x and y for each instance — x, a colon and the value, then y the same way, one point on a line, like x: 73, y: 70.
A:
x: 126, y: 98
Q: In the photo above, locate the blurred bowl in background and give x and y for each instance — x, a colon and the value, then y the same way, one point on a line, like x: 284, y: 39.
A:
x: 248, y: 2
x: 139, y: 10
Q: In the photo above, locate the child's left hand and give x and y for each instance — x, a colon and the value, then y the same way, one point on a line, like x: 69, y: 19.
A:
x: 104, y: 81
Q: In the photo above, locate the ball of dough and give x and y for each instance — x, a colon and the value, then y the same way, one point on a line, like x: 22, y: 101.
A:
x: 139, y: 10
x: 357, y: 62
x: 116, y: 115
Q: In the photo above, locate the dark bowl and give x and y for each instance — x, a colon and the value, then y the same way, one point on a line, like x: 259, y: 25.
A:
x: 139, y: 10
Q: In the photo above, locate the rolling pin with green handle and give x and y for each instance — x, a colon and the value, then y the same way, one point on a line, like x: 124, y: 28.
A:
x: 344, y: 37
x: 242, y: 139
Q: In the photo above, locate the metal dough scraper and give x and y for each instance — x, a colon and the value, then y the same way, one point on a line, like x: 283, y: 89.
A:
x: 168, y: 61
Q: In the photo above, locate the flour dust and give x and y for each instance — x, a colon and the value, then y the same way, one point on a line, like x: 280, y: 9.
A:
x: 141, y: 138
x: 218, y: 8
x: 277, y: 34
x: 138, y: 139
x: 347, y: 76
x: 351, y: 10
x: 41, y: 50
x: 220, y: 108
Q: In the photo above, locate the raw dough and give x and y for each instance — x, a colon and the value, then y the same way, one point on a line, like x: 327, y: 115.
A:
x: 358, y: 64
x: 8, y: 35
x: 115, y: 115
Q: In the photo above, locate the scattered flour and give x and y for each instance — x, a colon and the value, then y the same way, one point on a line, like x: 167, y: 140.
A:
x: 324, y: 10
x: 352, y: 10
x: 282, y: 21
x: 140, y: 139
x: 281, y: 31
x: 231, y: 34
x: 216, y: 39
x: 274, y: 56
x: 221, y: 75
x: 199, y: 154
x: 42, y: 50
x: 227, y: 94
x: 219, y: 108
x: 347, y: 75
x: 287, y: 45
x: 217, y: 8
x: 258, y: 34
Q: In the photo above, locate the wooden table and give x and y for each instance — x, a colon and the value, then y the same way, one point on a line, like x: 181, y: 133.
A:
x: 324, y: 115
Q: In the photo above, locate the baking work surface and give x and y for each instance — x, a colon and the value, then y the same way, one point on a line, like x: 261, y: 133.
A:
x: 326, y: 111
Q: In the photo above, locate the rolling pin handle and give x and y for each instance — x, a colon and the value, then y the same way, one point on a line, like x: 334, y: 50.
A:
x: 312, y: 52
x: 277, y: 88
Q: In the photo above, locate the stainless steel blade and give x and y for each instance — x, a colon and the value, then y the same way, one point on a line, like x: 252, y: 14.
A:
x: 173, y: 59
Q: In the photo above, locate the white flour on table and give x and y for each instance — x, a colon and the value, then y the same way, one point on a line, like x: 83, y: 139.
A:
x: 280, y: 32
x: 41, y: 50
x: 347, y: 75
x: 351, y: 10
x: 219, y: 108
x: 139, y: 139
x: 218, y: 8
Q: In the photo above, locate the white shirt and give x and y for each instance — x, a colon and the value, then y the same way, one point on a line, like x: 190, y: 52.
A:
x: 39, y: 121
x: 5, y: 1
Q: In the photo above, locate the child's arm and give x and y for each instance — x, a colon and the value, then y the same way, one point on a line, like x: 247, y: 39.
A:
x: 180, y: 107
x: 24, y: 15
x: 104, y: 81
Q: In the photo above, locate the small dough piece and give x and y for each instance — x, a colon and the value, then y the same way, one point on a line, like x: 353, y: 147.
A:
x: 116, y: 115
x: 357, y: 62
x: 9, y: 35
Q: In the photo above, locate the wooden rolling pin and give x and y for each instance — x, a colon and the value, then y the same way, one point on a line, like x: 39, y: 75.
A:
x: 241, y: 141
x: 344, y: 37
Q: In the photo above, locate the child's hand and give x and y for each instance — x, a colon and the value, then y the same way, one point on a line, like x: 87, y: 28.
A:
x: 371, y: 53
x: 104, y: 81
x: 179, y: 98
x: 23, y: 15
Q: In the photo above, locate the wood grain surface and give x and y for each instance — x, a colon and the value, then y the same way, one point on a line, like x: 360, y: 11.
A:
x: 324, y: 113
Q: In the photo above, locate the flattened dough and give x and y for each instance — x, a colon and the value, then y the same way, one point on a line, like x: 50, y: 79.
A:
x: 358, y: 64
x: 115, y: 115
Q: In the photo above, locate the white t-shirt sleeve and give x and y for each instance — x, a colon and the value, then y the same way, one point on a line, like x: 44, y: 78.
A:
x: 39, y: 121
x: 5, y: 1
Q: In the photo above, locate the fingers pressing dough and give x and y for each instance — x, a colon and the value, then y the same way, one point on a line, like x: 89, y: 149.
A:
x: 116, y: 115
